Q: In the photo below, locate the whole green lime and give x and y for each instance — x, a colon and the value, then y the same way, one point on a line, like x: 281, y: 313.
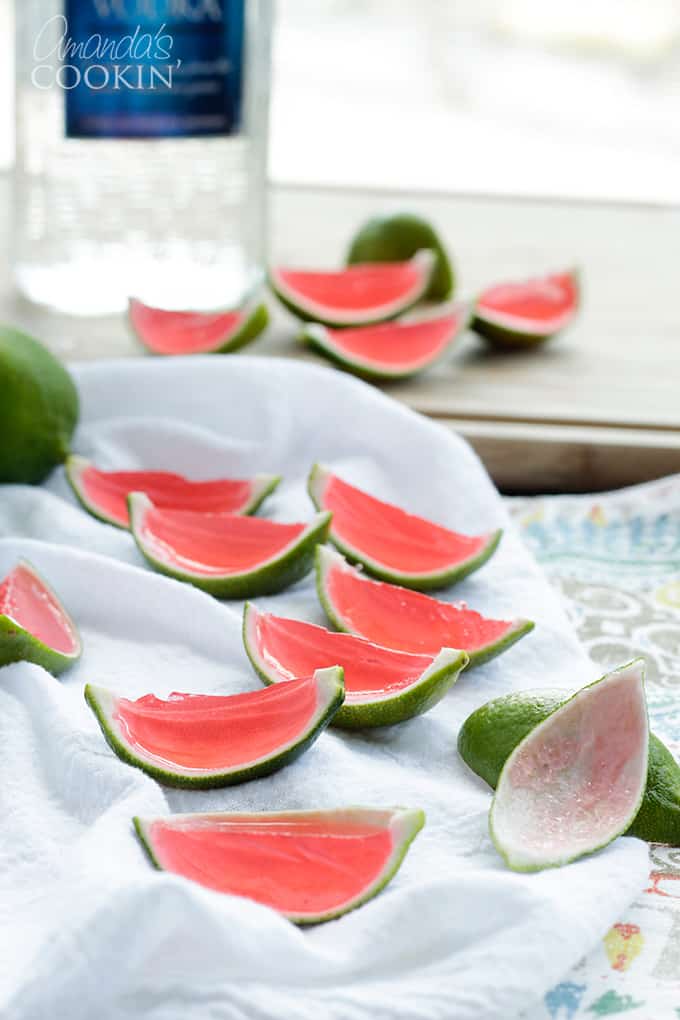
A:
x: 38, y: 409
x: 491, y: 733
x: 398, y: 237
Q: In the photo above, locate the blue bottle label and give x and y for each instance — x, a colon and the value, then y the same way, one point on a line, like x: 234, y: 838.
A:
x: 151, y: 68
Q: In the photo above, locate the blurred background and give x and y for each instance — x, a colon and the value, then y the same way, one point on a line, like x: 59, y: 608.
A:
x: 534, y: 135
x: 497, y: 97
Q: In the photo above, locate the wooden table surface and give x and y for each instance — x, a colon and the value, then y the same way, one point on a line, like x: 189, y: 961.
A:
x: 597, y: 408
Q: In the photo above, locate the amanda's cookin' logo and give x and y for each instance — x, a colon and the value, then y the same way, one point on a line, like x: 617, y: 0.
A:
x: 139, y: 58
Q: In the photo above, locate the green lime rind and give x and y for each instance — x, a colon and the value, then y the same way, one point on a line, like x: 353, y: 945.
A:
x: 419, y: 582
x: 398, y: 237
x: 520, y: 628
x: 415, y: 700
x: 519, y: 860
x: 404, y: 824
x: 265, y: 486
x: 38, y: 409
x: 326, y: 558
x: 75, y: 466
x: 316, y: 336
x: 142, y: 828
x: 255, y: 322
x: 325, y: 317
x: 322, y: 567
x: 658, y: 820
x: 491, y: 733
x: 294, y: 563
x: 18, y: 644
x: 505, y: 337
x: 330, y: 695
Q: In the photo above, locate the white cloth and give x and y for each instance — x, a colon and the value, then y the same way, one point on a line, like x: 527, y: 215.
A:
x: 88, y: 928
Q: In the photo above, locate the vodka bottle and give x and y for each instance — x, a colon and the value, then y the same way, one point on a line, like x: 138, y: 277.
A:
x: 141, y: 131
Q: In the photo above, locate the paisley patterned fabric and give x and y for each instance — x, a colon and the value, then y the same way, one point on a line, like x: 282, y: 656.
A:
x: 616, y: 560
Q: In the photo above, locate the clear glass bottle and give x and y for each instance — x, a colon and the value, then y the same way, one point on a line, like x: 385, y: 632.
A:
x: 141, y: 151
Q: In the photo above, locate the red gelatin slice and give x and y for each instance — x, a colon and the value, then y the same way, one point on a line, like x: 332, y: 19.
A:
x: 34, y: 626
x: 407, y: 620
x: 105, y: 493
x: 382, y: 686
x: 393, y: 544
x: 522, y: 313
x: 216, y: 544
x: 186, y: 332
x: 390, y: 350
x: 26, y: 599
x: 225, y: 555
x: 357, y: 295
x: 309, y: 866
x: 214, y: 740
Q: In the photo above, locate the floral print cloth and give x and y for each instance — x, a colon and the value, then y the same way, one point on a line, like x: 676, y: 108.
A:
x: 616, y: 560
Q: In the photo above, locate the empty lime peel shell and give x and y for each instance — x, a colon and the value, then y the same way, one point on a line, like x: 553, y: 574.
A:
x: 558, y: 797
x: 493, y: 730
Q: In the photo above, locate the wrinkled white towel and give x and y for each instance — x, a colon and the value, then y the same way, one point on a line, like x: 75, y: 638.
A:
x: 88, y: 928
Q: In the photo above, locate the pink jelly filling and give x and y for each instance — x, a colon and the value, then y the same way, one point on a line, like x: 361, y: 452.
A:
x: 26, y: 600
x: 167, y: 332
x: 536, y: 300
x: 408, y: 620
x: 295, y: 866
x: 215, y: 544
x: 294, y: 648
x: 108, y: 492
x: 397, y: 343
x: 210, y: 732
x: 390, y: 536
x: 355, y: 288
